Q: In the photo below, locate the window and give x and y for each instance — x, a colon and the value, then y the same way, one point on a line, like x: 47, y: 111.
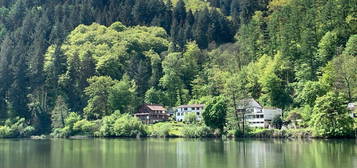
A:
x: 185, y: 108
x: 198, y: 113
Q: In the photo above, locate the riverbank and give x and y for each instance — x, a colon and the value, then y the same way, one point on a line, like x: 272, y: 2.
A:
x: 124, y: 125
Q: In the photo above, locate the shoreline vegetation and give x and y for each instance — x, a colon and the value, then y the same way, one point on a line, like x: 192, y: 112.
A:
x: 125, y: 126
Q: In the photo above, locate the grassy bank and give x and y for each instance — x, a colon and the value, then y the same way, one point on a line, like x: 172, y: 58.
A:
x: 272, y: 133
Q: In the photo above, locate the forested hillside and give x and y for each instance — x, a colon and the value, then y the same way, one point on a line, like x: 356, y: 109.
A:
x: 94, y: 57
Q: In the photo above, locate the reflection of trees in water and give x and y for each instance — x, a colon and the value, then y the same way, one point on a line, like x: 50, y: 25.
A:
x: 178, y: 153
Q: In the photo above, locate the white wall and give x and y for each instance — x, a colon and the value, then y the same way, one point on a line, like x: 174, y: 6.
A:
x: 181, y: 112
x: 258, y: 117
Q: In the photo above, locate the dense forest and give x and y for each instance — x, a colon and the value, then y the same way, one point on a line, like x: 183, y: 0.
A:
x: 94, y: 57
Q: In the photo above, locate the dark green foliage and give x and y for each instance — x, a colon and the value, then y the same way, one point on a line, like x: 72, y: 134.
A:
x: 277, y: 122
x: 214, y: 114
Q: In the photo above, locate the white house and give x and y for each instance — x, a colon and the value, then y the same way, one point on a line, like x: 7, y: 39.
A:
x: 256, y: 115
x: 182, y: 110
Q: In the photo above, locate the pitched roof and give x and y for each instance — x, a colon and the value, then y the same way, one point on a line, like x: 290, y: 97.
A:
x: 155, y: 107
x: 191, y: 105
x: 250, y: 102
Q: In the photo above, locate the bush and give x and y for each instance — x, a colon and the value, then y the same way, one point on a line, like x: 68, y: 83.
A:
x: 195, y: 131
x: 84, y: 127
x: 277, y: 122
x: 107, y: 125
x: 160, y: 129
x: 5, y: 131
x: 275, y: 133
x: 330, y: 117
x: 16, y: 128
x: 121, y: 125
x: 129, y: 126
x: 68, y: 130
x: 166, y: 129
x: 190, y: 118
x: 61, y: 132
x: 235, y: 133
x: 72, y: 119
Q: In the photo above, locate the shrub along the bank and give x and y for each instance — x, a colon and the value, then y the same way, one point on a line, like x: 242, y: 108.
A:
x: 178, y: 129
x: 276, y: 133
x: 196, y: 131
x: 166, y: 129
x: 115, y: 125
x: 121, y: 125
x: 16, y: 128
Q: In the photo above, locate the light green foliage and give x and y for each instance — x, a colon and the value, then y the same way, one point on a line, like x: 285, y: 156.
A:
x: 16, y: 128
x: 171, y: 129
x: 129, y: 126
x: 308, y: 91
x: 180, y: 69
x: 166, y: 129
x: 327, y: 47
x: 275, y: 133
x: 171, y: 81
x: 341, y: 75
x: 190, y: 117
x: 98, y: 92
x: 72, y: 119
x: 121, y: 125
x: 84, y: 127
x: 196, y: 131
x: 107, y: 125
x: 300, y: 116
x: 351, y: 46
x: 330, y: 117
x: 122, y: 96
x: 75, y: 125
x: 193, y: 5
x: 215, y: 112
x: 112, y: 46
x: 251, y: 37
x: 274, y: 89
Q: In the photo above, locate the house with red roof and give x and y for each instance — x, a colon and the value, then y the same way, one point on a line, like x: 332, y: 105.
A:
x: 152, y: 113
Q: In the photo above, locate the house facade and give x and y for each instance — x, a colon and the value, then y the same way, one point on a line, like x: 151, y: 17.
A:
x: 183, y: 110
x: 256, y: 115
x: 152, y: 113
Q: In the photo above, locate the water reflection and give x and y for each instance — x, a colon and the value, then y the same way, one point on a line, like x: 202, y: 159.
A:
x: 177, y: 153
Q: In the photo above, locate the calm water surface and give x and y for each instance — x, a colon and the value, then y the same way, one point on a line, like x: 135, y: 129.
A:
x: 177, y: 153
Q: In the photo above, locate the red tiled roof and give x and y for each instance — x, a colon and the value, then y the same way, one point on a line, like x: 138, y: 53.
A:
x: 155, y: 107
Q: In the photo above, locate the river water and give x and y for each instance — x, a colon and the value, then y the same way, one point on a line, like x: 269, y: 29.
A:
x: 177, y: 153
